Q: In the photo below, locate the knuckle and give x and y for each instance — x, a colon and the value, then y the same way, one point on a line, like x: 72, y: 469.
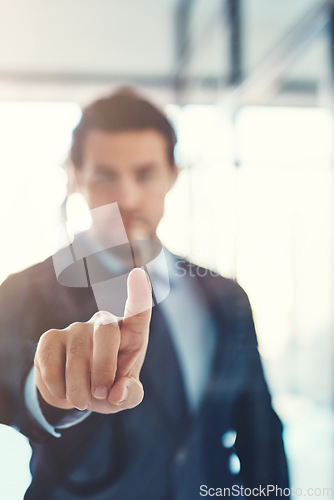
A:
x: 74, y: 390
x: 106, y: 373
x: 77, y: 328
x: 46, y: 345
x: 80, y: 404
x: 144, y: 313
x: 104, y: 318
x: 77, y: 345
x: 74, y: 326
x: 79, y: 401
x: 43, y: 356
x: 48, y: 337
x: 77, y: 396
x: 50, y: 374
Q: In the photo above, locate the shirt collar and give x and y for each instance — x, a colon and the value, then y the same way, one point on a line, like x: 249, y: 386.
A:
x: 162, y: 268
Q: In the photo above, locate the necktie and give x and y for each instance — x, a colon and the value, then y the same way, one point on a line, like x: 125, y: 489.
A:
x: 165, y: 369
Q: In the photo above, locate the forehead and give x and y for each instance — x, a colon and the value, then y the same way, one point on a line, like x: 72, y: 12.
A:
x: 137, y: 146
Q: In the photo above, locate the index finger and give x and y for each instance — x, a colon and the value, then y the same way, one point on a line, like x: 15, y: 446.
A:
x: 137, y: 314
x: 138, y: 305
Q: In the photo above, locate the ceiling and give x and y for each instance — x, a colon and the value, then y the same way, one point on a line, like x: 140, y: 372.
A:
x: 184, y: 50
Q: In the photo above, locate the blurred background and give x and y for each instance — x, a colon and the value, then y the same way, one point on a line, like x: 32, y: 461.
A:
x: 248, y: 85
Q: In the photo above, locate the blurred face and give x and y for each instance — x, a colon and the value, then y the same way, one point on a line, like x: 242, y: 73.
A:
x: 132, y: 169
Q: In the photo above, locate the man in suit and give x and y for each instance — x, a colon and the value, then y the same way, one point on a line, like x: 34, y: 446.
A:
x: 169, y: 408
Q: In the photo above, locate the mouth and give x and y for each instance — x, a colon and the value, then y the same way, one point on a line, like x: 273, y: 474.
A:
x: 131, y: 224
x: 136, y: 229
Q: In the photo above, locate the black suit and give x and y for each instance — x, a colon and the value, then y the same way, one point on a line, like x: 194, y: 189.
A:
x: 142, y: 454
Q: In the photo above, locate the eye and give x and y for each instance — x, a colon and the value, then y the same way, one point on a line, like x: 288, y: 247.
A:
x: 144, y: 175
x: 105, y: 177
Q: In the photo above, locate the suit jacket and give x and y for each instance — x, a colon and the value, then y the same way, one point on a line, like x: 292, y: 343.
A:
x: 143, y: 453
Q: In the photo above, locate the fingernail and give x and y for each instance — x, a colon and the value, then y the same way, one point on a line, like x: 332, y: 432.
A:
x: 124, y: 396
x: 101, y: 392
x: 82, y: 408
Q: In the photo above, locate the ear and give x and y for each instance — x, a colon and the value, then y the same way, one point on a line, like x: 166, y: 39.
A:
x: 73, y: 179
x: 174, y: 175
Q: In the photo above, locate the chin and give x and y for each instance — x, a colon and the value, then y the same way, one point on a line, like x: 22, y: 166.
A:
x: 138, y: 233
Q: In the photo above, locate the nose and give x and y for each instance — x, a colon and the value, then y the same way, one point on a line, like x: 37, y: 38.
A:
x: 128, y: 196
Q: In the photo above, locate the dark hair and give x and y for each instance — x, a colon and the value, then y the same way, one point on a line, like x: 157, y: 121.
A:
x: 121, y: 111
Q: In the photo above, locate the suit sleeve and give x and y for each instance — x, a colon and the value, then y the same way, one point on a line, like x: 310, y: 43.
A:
x: 24, y: 316
x: 259, y: 443
x: 19, y: 331
x: 48, y: 417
